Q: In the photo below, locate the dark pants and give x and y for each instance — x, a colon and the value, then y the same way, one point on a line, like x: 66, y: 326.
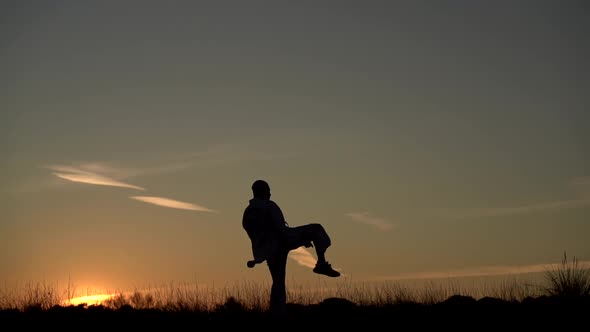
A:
x: 277, y: 264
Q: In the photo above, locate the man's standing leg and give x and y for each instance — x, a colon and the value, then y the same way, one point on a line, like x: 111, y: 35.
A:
x: 277, y: 266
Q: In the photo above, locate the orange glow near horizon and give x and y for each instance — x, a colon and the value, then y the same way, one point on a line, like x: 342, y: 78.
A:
x: 89, y: 299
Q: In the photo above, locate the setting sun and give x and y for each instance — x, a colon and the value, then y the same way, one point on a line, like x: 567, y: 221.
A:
x: 89, y: 299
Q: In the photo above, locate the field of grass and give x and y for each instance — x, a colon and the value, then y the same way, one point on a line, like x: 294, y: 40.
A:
x: 254, y: 296
x: 561, y: 297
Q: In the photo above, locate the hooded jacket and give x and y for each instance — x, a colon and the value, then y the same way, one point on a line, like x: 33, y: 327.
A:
x: 266, y: 227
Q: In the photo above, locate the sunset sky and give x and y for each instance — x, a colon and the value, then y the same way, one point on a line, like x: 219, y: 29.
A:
x: 430, y: 138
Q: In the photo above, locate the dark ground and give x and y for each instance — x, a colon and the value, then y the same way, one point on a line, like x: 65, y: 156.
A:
x: 456, y: 313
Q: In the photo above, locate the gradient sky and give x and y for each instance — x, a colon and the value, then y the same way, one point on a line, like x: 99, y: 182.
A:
x: 429, y: 137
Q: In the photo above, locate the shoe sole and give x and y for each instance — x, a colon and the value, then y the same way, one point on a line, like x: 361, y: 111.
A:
x: 333, y: 275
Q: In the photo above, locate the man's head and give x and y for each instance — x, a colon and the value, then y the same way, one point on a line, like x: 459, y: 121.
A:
x: 261, y: 189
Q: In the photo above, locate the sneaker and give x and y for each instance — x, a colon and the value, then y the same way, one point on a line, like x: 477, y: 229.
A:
x: 326, y: 269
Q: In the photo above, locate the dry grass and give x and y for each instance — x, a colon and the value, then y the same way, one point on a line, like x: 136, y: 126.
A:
x: 30, y: 296
x: 568, y: 279
x: 192, y: 297
x: 254, y: 296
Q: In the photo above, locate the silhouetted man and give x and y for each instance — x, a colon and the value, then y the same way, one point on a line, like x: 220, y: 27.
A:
x: 272, y: 239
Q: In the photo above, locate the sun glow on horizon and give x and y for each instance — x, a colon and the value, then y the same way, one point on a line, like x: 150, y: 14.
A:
x: 96, y: 299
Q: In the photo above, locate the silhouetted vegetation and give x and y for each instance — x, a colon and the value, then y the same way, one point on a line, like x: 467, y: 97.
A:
x: 568, y: 280
x: 562, y: 301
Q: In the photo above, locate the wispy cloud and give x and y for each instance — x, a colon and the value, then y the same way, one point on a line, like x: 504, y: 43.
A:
x: 171, y: 203
x: 581, y: 181
x: 365, y: 218
x: 303, y: 257
x: 89, y: 173
x: 220, y: 154
x: 580, y: 186
x: 82, y: 175
x: 516, y: 210
x: 483, y: 271
x: 105, y: 174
